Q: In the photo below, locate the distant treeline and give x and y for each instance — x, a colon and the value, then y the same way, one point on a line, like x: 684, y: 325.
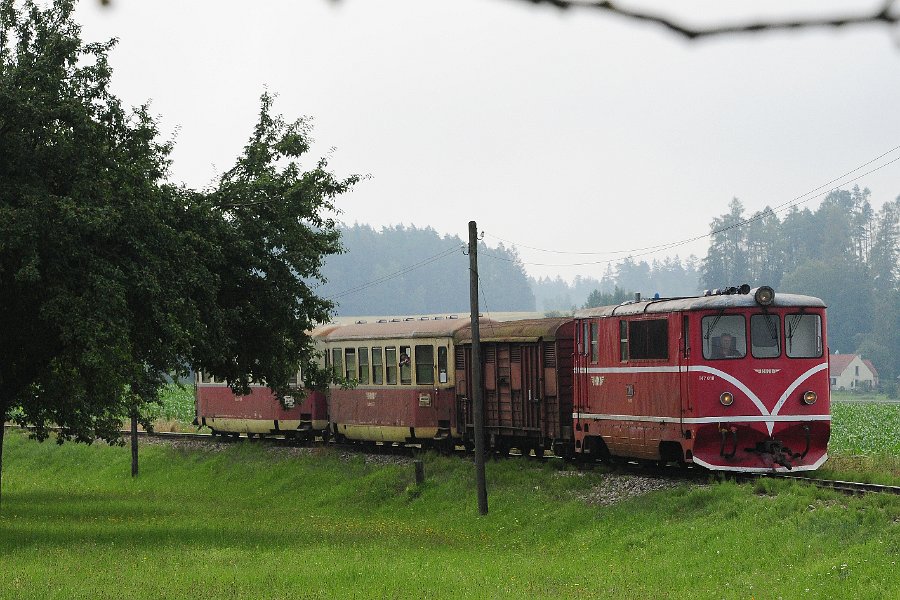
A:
x: 409, y: 271
x: 844, y: 252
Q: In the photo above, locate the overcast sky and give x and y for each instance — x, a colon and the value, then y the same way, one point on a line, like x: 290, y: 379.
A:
x: 568, y: 131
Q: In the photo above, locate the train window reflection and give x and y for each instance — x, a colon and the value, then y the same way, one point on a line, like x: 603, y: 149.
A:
x: 724, y: 336
x: 425, y: 365
x: 364, y: 366
x: 803, y: 336
x: 764, y: 336
x: 350, y: 360
x: 405, y: 365
x: 337, y: 362
x: 390, y: 364
x: 377, y: 367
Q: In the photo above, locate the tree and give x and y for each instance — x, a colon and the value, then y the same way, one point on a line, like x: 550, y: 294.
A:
x: 111, y: 277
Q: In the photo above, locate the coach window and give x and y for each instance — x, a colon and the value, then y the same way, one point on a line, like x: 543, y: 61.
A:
x: 390, y: 364
x: 442, y: 364
x: 623, y: 340
x: 425, y: 365
x: 764, y: 336
x: 803, y: 336
x: 350, y: 363
x: 405, y: 365
x: 724, y: 336
x: 337, y: 362
x: 364, y: 366
x: 377, y: 367
x: 648, y: 339
x: 595, y: 343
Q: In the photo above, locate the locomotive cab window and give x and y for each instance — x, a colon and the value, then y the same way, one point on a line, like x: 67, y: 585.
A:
x: 803, y: 336
x: 648, y: 339
x: 595, y: 343
x: 724, y: 336
x: 425, y: 365
x: 764, y: 336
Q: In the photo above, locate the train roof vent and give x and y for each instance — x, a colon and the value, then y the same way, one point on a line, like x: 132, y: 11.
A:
x: 361, y: 322
x: 409, y: 319
x: 382, y: 320
x: 424, y: 319
x: 439, y: 318
x: 452, y: 317
x: 395, y: 320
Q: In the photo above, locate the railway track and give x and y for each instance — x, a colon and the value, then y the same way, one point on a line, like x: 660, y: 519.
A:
x: 847, y: 487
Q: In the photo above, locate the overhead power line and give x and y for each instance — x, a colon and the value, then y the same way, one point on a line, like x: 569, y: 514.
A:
x: 636, y: 252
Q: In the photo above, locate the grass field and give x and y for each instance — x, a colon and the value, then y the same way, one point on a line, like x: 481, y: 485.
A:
x: 246, y: 521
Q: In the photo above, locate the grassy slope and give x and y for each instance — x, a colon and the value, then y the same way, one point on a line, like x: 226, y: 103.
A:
x: 249, y: 523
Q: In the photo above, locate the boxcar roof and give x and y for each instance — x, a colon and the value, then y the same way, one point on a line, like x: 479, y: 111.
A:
x: 719, y: 302
x: 527, y: 330
x: 413, y: 328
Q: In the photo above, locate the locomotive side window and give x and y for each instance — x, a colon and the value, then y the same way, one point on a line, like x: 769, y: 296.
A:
x: 425, y: 365
x: 686, y: 336
x: 803, y: 336
x: 442, y: 364
x: 390, y: 364
x: 583, y: 346
x: 724, y: 336
x: 649, y: 339
x: 764, y: 336
x: 623, y: 340
x: 405, y: 365
x: 595, y: 343
x: 350, y: 363
x: 364, y: 366
x: 337, y: 362
x: 377, y: 366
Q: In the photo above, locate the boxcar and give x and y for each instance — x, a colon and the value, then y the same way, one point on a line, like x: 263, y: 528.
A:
x: 730, y: 381
x: 402, y: 386
x: 526, y: 385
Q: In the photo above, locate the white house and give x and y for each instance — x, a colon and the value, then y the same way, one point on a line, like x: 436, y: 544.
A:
x: 851, y: 371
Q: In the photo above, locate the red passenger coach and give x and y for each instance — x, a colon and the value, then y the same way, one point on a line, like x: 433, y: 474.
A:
x: 259, y: 412
x: 526, y: 385
x: 403, y: 386
x: 730, y: 381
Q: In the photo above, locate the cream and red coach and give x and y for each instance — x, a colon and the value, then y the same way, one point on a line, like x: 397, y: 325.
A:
x: 526, y: 385
x: 302, y: 415
x: 403, y: 386
x: 735, y: 380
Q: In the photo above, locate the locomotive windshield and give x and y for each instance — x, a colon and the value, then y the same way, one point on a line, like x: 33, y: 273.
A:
x: 803, y: 336
x: 764, y: 336
x: 724, y: 336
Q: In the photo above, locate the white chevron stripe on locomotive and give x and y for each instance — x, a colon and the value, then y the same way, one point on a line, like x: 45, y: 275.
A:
x: 769, y: 418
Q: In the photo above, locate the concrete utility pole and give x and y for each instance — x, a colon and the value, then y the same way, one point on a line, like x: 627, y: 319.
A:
x: 477, y: 402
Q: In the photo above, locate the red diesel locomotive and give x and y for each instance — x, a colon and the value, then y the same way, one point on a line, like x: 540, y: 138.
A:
x: 734, y: 381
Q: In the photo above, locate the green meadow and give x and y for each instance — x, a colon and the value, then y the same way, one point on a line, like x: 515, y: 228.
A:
x: 252, y: 521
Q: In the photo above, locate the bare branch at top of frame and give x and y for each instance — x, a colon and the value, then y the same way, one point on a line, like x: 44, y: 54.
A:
x: 884, y: 15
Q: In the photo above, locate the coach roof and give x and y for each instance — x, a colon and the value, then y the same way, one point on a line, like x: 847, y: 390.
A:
x: 718, y: 302
x: 394, y: 329
x: 526, y: 330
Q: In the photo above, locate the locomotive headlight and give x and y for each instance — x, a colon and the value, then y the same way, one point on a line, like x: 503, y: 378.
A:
x: 809, y: 397
x: 727, y: 398
x: 764, y: 295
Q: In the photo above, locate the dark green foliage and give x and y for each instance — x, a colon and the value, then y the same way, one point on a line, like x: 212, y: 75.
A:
x: 111, y: 278
x: 438, y: 284
x: 598, y: 298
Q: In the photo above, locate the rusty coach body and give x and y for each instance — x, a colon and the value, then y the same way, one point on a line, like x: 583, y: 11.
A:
x: 402, y: 382
x: 526, y: 385
x: 730, y: 381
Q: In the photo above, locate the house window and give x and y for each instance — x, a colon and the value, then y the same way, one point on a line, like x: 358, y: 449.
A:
x: 857, y: 371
